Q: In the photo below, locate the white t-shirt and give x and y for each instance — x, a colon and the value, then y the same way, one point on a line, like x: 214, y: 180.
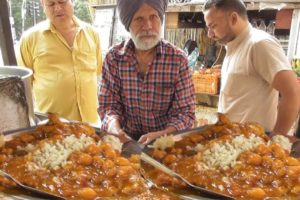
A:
x: 251, y: 63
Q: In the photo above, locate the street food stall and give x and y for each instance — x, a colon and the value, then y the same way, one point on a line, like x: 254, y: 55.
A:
x: 73, y: 160
x: 47, y: 157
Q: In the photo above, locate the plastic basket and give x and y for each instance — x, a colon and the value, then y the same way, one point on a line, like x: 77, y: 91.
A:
x: 206, y: 83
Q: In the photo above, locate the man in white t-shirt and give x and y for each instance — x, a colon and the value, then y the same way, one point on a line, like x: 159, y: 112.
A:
x: 254, y: 72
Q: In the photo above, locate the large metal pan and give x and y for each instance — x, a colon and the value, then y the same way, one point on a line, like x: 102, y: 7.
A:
x: 132, y: 147
x: 25, y: 74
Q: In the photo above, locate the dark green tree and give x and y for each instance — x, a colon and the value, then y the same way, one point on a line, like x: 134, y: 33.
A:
x: 82, y: 10
x: 33, y: 13
x: 16, y: 6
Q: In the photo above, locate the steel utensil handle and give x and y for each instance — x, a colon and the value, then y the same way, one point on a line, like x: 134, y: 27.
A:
x: 145, y: 157
x: 162, y: 167
x: 132, y: 147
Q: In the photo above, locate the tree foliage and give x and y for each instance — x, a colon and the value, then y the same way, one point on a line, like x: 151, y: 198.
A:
x: 33, y: 13
x: 16, y: 6
x: 82, y: 10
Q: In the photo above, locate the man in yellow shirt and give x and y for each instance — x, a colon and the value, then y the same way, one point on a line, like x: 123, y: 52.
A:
x: 65, y: 56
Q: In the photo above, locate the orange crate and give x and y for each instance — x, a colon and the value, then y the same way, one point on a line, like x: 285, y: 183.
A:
x: 206, y: 83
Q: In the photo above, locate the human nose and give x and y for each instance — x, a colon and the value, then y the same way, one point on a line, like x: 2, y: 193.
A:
x: 57, y: 7
x: 147, y: 24
x: 210, y: 33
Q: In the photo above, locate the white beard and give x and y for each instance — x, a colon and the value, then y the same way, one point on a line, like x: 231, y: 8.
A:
x: 145, y: 44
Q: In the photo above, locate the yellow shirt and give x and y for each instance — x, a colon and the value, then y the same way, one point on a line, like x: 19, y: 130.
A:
x: 64, y: 78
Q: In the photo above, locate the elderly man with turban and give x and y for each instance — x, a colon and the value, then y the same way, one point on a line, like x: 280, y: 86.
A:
x: 146, y: 89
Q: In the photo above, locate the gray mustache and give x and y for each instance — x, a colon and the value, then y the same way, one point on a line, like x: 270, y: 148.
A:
x: 148, y: 33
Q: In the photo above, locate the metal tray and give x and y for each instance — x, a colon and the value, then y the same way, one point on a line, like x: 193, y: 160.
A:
x: 18, y: 193
x: 184, y: 194
x: 295, y: 152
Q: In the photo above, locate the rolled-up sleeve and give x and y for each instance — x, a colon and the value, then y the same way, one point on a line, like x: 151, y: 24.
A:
x: 110, y: 106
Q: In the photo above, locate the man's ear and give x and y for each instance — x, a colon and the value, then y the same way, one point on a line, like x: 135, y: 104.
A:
x: 234, y: 18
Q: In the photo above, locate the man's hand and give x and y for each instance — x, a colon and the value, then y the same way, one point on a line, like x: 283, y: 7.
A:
x: 149, y: 137
x: 123, y: 136
x: 114, y: 128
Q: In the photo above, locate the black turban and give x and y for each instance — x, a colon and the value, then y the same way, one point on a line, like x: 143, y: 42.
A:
x: 127, y: 9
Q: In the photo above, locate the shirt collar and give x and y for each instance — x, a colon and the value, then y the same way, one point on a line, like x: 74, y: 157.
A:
x: 234, y: 43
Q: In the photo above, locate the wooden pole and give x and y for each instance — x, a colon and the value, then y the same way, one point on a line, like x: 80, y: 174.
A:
x: 6, y: 41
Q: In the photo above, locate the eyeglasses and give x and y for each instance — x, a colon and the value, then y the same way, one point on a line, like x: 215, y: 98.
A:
x: 60, y: 3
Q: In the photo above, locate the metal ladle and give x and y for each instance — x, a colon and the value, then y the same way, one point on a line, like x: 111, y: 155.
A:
x: 132, y: 147
x: 31, y: 189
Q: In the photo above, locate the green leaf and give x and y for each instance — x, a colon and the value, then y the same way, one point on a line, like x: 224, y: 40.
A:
x: 297, y: 71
